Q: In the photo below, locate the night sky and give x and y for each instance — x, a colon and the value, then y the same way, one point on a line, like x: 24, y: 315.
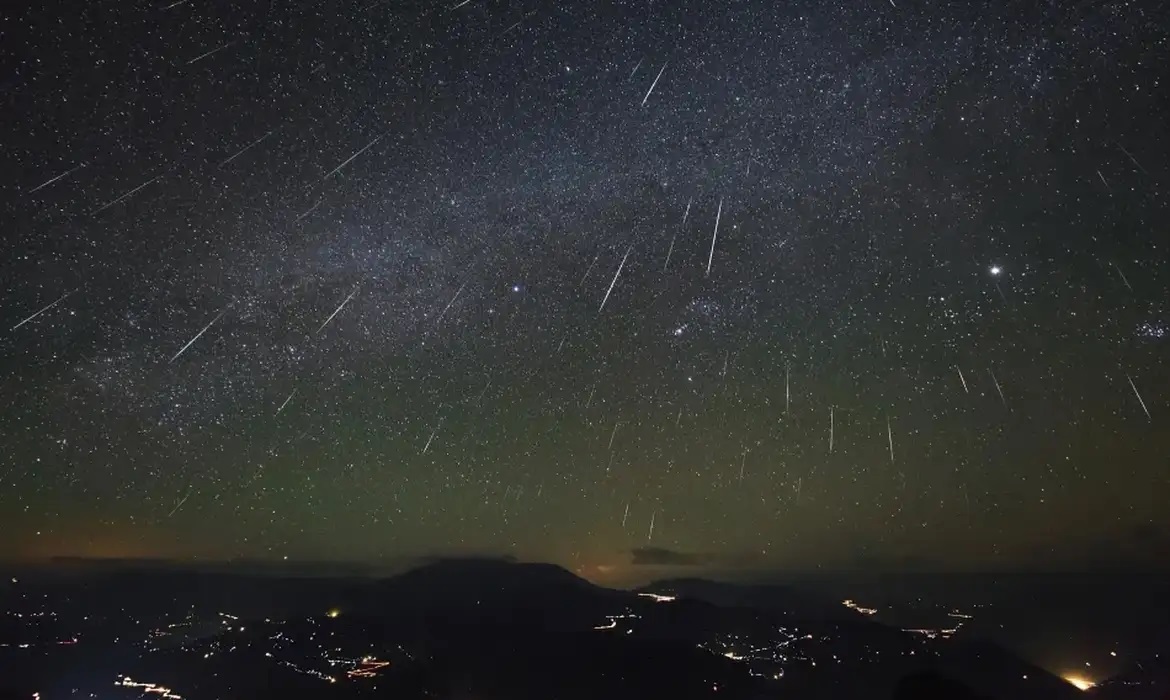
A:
x: 739, y: 285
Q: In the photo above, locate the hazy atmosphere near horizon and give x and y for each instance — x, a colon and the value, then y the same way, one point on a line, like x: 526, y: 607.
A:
x: 729, y: 287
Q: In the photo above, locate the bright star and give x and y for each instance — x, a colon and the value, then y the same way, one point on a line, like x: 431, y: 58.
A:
x: 995, y: 270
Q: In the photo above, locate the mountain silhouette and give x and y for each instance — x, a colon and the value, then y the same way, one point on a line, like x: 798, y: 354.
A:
x: 498, y: 629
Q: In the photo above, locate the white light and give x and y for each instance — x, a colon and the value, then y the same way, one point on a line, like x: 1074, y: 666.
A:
x: 995, y: 270
x: 657, y: 598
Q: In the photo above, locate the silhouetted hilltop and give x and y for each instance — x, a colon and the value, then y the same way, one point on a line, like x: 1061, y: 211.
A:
x: 482, y: 576
x: 472, y: 592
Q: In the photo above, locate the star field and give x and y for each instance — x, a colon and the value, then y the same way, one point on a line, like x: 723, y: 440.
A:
x: 803, y: 285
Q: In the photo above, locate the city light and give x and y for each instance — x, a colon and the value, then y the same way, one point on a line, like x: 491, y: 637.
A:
x: 658, y: 598
x: 159, y: 690
x: 854, y: 606
x: 368, y: 668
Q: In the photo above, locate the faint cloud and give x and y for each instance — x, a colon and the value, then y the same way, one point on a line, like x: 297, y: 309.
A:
x: 658, y: 556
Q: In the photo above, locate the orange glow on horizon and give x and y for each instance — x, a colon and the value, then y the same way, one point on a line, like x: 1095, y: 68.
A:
x: 1079, y: 682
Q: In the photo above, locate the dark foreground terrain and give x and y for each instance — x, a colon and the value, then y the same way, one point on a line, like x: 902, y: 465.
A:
x: 486, y: 629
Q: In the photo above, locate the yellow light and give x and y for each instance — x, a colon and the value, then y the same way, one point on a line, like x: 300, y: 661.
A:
x: 334, y: 613
x: 1080, y: 682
